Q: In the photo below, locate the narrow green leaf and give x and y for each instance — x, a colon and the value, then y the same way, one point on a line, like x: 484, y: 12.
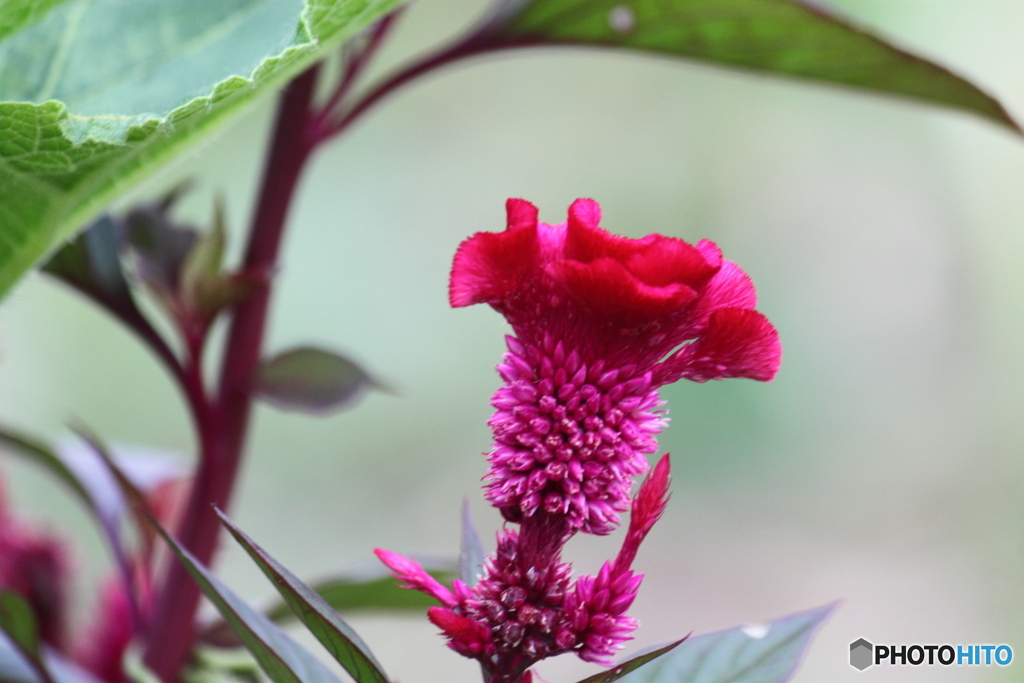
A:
x: 783, y: 37
x: 381, y: 594
x: 471, y: 553
x: 344, y: 594
x: 41, y: 454
x: 280, y: 657
x: 97, y: 94
x: 136, y: 500
x: 768, y: 653
x: 310, y: 380
x: 344, y: 644
x: 19, y: 623
x: 630, y: 665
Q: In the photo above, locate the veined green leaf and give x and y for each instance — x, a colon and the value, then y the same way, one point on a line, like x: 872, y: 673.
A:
x: 344, y: 644
x: 783, y: 37
x: 765, y: 653
x: 96, y: 94
x: 311, y: 380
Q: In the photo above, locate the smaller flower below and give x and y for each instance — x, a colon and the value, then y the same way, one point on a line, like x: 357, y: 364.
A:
x: 526, y: 607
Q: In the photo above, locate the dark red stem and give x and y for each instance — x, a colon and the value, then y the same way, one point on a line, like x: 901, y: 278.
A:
x: 223, y: 430
x: 353, y: 69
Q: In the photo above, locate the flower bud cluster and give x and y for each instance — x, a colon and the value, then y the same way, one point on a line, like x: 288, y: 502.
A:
x: 569, y: 438
x: 600, y: 322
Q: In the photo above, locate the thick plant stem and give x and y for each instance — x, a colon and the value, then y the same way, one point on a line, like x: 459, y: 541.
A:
x: 170, y: 639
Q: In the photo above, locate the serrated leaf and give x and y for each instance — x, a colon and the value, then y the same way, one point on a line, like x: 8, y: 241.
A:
x: 767, y: 653
x: 471, y: 551
x: 280, y: 657
x: 344, y: 594
x: 783, y: 37
x: 344, y: 644
x: 97, y: 94
x: 630, y: 665
x: 310, y: 380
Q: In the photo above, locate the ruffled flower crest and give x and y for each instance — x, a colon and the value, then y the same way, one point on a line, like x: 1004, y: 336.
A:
x: 626, y: 301
x: 600, y: 323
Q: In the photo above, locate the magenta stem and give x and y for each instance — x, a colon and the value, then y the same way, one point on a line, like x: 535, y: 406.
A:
x: 222, y: 420
x: 222, y: 425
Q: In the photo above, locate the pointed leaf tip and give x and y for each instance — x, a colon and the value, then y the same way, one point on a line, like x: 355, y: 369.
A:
x: 311, y: 380
x: 347, y: 648
x: 280, y: 657
x: 768, y: 653
x: 790, y: 38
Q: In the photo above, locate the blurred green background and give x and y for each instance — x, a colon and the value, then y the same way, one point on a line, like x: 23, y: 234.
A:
x: 886, y: 239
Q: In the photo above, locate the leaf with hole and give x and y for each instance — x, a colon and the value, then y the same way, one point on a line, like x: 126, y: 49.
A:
x: 788, y: 38
x: 764, y: 653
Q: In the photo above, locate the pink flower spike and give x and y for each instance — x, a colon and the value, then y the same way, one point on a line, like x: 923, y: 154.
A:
x: 414, y: 576
x: 648, y: 507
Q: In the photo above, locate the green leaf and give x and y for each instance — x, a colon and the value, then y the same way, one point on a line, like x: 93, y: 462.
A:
x: 344, y: 644
x: 471, y: 554
x: 310, y: 380
x: 280, y: 657
x: 91, y: 264
x: 630, y: 665
x: 784, y: 37
x: 767, y: 653
x: 19, y: 623
x: 41, y: 454
x: 97, y: 94
x: 344, y: 594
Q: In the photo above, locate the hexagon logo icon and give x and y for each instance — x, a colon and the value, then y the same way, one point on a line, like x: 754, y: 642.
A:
x: 861, y: 654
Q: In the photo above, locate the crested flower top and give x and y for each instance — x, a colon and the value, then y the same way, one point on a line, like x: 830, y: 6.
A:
x: 601, y: 322
x: 626, y: 301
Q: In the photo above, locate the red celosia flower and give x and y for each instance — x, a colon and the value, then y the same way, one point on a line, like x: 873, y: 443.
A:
x: 601, y: 322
